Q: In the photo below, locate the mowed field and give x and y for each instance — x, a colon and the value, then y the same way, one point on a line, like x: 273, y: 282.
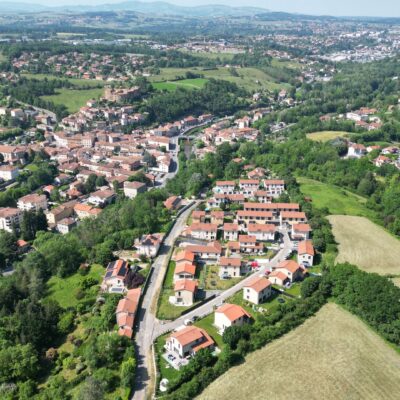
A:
x: 170, y: 86
x: 365, y: 244
x: 249, y: 78
x: 332, y: 356
x: 74, y: 81
x: 325, y: 136
x: 336, y: 199
x: 74, y: 99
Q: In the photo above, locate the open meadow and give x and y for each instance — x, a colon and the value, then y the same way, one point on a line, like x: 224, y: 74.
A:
x: 333, y: 355
x: 197, y: 83
x: 248, y: 78
x: 75, y: 81
x: 325, y: 136
x: 365, y: 244
x: 74, y: 99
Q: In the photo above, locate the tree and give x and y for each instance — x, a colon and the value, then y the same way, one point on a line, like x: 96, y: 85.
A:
x: 101, y: 181
x: 8, y: 245
x: 92, y: 389
x: 90, y: 184
x: 127, y: 373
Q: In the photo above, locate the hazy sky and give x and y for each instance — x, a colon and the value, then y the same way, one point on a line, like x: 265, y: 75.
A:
x: 329, y: 7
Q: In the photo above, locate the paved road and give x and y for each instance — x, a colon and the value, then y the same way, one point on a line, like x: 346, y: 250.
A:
x: 146, y: 319
x: 161, y: 328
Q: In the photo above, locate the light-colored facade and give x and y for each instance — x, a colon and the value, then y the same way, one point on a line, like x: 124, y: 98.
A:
x: 257, y: 290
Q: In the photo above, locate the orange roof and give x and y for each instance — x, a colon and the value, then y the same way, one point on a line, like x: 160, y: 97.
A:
x: 278, y: 274
x: 261, y: 214
x: 290, y: 265
x: 192, y: 334
x: 274, y: 182
x: 293, y: 214
x: 231, y: 262
x: 127, y: 331
x: 185, y: 255
x: 233, y: 312
x: 261, y: 228
x: 231, y: 227
x: 127, y: 306
x: 134, y: 294
x: 247, y: 239
x: 306, y: 247
x: 203, y: 227
x: 82, y: 207
x: 302, y: 228
x: 185, y: 268
x: 258, y: 283
x: 233, y: 245
x: 186, y: 284
x: 249, y: 182
x: 225, y: 183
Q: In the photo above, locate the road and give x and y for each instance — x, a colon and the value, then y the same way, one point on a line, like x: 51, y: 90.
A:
x: 149, y: 327
x: 146, y: 320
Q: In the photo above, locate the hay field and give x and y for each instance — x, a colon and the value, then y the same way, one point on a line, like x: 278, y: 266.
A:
x: 331, y: 356
x: 325, y: 136
x: 365, y: 244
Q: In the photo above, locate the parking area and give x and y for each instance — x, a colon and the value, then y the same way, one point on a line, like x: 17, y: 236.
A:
x: 174, y: 360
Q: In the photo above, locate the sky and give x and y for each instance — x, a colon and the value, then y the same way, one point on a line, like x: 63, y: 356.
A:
x: 390, y: 8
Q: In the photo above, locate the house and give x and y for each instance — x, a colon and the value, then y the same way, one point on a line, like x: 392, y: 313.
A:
x: 249, y: 244
x: 230, y: 267
x: 198, y: 216
x: 173, y: 203
x: 225, y: 187
x: 185, y: 292
x: 356, y: 150
x: 274, y: 187
x: 126, y: 312
x: 65, y: 225
x: 188, y: 341
x: 381, y: 160
x: 211, y: 252
x: 132, y: 189
x: 262, y: 232
x: 86, y: 211
x: 230, y: 315
x: 184, y: 271
x: 102, y: 197
x: 301, y: 231
x: 248, y: 186
x: 261, y: 217
x: 292, y: 217
x: 8, y: 172
x: 279, y: 278
x: 217, y: 217
x: 305, y: 253
x: 203, y: 231
x: 10, y: 218
x: 148, y: 245
x: 291, y: 269
x: 257, y: 290
x: 115, y: 278
x: 12, y: 153
x: 231, y: 232
x: 262, y: 196
x: 185, y: 256
x: 32, y: 202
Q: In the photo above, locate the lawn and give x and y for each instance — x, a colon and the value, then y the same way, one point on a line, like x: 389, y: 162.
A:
x: 249, y: 78
x: 64, y: 290
x: 336, y: 199
x: 166, y: 310
x: 213, y: 282
x: 365, y: 244
x: 333, y: 355
x: 74, y: 99
x: 74, y: 81
x: 325, y: 136
x: 166, y: 371
x: 185, y: 83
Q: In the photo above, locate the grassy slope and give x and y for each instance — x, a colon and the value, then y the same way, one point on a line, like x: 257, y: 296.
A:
x: 64, y: 290
x: 186, y: 84
x: 337, y: 200
x: 325, y: 136
x: 331, y: 356
x: 74, y: 81
x: 74, y: 99
x: 248, y: 77
x: 365, y: 244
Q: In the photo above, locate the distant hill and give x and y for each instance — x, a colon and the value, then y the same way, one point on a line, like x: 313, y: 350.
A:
x: 157, y: 7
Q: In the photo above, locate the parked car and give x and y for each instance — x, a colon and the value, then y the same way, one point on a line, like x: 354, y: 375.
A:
x: 187, y: 322
x: 280, y: 300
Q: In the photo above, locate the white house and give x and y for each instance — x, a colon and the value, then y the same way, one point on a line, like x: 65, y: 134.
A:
x: 257, y: 290
x: 102, y: 197
x: 114, y: 280
x: 225, y: 187
x: 230, y: 267
x: 9, y: 217
x: 274, y: 187
x: 148, y: 245
x: 262, y: 232
x: 32, y: 202
x: 301, y: 231
x: 132, y: 189
x: 8, y: 172
x: 305, y: 253
x: 185, y: 292
x: 356, y: 150
x: 230, y: 315
x: 203, y: 231
x: 184, y: 270
x: 231, y: 232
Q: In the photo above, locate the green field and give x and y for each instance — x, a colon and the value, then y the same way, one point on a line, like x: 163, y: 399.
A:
x: 74, y: 81
x: 325, y: 136
x: 333, y: 355
x: 249, y: 78
x: 2, y: 57
x: 64, y: 290
x: 74, y: 99
x: 336, y: 199
x: 185, y: 83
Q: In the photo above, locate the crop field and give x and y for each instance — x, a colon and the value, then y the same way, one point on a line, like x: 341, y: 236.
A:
x: 74, y: 81
x: 365, y: 244
x: 333, y: 355
x: 197, y: 83
x: 337, y: 200
x: 325, y: 136
x: 249, y: 78
x: 74, y: 99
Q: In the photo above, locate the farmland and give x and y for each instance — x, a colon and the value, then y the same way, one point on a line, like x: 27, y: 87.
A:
x: 248, y: 78
x: 365, y: 244
x: 74, y: 99
x: 185, y: 84
x: 325, y: 136
x: 333, y: 355
x: 75, y: 81
x: 337, y: 200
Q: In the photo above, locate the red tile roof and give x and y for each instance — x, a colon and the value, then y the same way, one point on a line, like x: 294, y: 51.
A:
x: 258, y: 283
x: 233, y: 312
x: 306, y: 247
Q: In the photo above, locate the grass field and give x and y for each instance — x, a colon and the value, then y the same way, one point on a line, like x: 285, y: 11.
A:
x: 325, y: 136
x: 337, y: 200
x: 74, y: 81
x: 333, y: 355
x: 185, y: 83
x: 74, y: 99
x: 365, y: 244
x: 64, y: 290
x: 249, y: 78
